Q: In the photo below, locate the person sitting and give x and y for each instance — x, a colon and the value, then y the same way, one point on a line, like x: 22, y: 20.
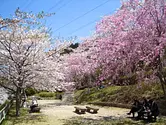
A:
x: 34, y: 103
x: 135, y: 107
x: 60, y: 97
x: 154, y: 109
x: 145, y: 108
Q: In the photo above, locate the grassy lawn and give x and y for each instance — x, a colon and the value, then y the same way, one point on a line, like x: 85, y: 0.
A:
x: 113, y: 121
x: 25, y: 118
x: 115, y: 94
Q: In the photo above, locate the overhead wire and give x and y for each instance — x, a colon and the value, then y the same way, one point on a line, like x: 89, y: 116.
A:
x: 63, y: 5
x: 2, y: 2
x: 59, y: 9
x: 28, y: 5
x: 87, y: 24
x: 60, y: 1
x: 81, y: 16
x: 83, y: 26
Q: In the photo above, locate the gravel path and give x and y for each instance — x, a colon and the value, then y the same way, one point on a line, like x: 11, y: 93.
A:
x: 56, y: 113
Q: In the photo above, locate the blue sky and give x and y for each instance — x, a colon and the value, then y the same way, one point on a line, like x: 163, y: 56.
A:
x: 72, y: 18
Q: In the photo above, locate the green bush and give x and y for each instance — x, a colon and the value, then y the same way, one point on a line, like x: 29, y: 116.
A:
x: 46, y: 94
x: 30, y: 91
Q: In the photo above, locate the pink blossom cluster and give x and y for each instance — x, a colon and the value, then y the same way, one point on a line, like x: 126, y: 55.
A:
x: 133, y: 36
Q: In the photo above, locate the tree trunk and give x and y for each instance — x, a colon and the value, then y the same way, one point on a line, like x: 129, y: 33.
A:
x: 18, y: 101
x: 23, y: 97
x: 161, y: 76
x: 163, y: 88
x: 162, y: 84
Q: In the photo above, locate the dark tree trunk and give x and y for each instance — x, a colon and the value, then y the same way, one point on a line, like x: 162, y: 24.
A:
x: 161, y: 76
x: 162, y: 85
x: 18, y: 101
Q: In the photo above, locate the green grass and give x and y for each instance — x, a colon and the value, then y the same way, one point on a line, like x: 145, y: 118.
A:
x: 119, y: 94
x: 48, y: 95
x: 25, y: 117
x: 94, y: 94
x: 113, y: 121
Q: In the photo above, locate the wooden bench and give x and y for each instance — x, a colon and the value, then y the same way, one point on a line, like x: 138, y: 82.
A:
x: 80, y: 110
x: 91, y: 109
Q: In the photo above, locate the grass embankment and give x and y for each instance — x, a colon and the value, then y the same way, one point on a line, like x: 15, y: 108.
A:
x: 124, y: 95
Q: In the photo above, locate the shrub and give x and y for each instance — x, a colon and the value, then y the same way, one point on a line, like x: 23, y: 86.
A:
x: 30, y: 91
x: 46, y: 94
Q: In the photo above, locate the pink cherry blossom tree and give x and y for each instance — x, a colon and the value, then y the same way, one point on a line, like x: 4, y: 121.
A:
x: 133, y: 36
x: 131, y: 41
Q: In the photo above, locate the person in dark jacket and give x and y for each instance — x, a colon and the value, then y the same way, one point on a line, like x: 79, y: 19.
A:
x: 153, y: 108
x: 135, y: 107
x: 145, y: 108
x: 60, y: 97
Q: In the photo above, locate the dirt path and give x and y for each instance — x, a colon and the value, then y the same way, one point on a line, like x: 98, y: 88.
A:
x: 55, y: 113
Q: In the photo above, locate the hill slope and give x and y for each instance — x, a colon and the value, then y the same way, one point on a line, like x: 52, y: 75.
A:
x: 123, y: 95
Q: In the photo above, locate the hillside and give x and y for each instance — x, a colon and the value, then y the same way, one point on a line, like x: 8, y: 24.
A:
x: 121, y: 96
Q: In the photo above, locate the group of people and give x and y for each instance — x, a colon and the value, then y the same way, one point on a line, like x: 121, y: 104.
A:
x: 148, y: 108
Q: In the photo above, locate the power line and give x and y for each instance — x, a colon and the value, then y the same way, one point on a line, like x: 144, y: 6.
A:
x: 85, y: 25
x: 28, y: 5
x: 2, y: 2
x: 60, y: 1
x: 63, y: 5
x: 81, y: 15
x: 23, y: 4
x: 60, y: 8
